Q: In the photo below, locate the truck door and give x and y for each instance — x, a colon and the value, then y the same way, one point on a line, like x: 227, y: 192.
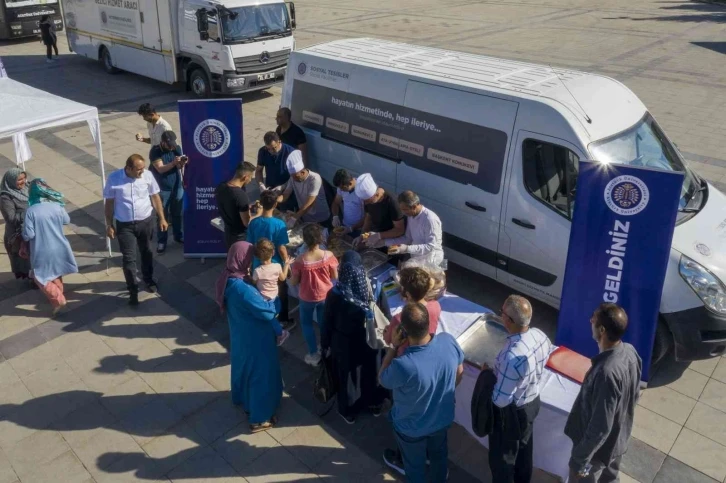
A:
x: 454, y: 151
x: 150, y: 31
x: 536, y: 218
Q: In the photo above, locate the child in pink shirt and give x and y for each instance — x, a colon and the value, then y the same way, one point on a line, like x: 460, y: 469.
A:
x: 415, y: 284
x: 315, y: 272
x: 266, y: 277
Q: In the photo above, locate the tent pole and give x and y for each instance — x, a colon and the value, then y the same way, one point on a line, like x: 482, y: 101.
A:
x: 95, y: 126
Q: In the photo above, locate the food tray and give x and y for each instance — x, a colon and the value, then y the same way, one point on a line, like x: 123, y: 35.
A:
x: 339, y: 246
x: 482, y: 341
x: 295, y: 235
x: 373, y: 259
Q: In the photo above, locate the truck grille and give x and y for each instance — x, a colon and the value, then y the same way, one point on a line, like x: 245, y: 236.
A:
x: 254, y: 63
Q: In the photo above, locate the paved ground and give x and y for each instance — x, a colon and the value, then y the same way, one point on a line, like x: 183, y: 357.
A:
x: 108, y: 394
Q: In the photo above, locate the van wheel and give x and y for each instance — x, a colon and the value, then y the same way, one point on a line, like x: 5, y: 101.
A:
x: 199, y: 84
x: 107, y: 62
x: 662, y: 343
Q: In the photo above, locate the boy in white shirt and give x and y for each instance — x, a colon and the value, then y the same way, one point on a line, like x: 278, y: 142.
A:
x: 266, y: 278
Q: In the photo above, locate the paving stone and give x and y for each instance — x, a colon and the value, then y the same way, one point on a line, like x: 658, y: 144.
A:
x: 714, y: 394
x: 708, y: 422
x: 240, y: 448
x: 173, y: 448
x: 105, y: 448
x: 642, y: 462
x: 7, y: 474
x: 83, y: 424
x: 673, y: 471
x: 277, y: 465
x: 690, y: 383
x: 34, y: 451
x: 216, y: 419
x: 311, y: 444
x: 66, y: 468
x: 719, y: 372
x: 150, y: 421
x: 206, y: 466
x: 655, y: 430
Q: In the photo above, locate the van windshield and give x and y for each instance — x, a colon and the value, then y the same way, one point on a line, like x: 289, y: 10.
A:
x: 645, y: 145
x: 247, y: 24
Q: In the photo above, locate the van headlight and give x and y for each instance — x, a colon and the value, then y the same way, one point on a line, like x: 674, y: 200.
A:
x: 706, y: 285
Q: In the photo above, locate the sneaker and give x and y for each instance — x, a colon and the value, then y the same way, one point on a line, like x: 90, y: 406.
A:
x: 393, y: 460
x: 160, y: 248
x: 312, y: 359
x: 288, y: 325
x: 376, y: 410
x: 133, y: 299
x: 152, y: 287
x: 347, y: 419
x: 49, y: 61
x: 282, y: 337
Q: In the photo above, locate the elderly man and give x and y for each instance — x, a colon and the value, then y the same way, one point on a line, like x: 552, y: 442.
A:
x: 423, y: 237
x: 601, y: 420
x: 308, y: 189
x: 290, y: 133
x: 519, y: 367
x: 129, y: 195
x: 347, y: 202
x: 383, y: 216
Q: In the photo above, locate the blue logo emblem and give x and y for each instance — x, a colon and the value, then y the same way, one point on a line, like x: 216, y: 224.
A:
x: 211, y: 138
x: 302, y: 68
x: 626, y: 195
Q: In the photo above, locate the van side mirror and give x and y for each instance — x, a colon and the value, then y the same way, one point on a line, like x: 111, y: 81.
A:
x: 291, y: 7
x: 203, y: 24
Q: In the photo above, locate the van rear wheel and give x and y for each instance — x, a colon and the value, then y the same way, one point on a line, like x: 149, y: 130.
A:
x: 107, y: 62
x: 199, y: 84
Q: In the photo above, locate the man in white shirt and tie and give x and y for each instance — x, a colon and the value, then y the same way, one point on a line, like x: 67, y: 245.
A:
x: 131, y: 196
x: 423, y: 237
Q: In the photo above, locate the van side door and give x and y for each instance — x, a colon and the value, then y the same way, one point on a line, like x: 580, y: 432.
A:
x: 536, y: 218
x: 454, y: 153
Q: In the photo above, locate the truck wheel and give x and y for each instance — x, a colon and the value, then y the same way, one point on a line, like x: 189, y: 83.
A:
x: 107, y: 62
x: 199, y: 84
x: 662, y: 343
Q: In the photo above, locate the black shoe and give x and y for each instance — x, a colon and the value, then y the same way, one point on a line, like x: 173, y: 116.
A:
x: 393, y: 460
x: 133, y: 299
x: 376, y: 410
x: 288, y: 325
x: 151, y: 287
x: 347, y: 419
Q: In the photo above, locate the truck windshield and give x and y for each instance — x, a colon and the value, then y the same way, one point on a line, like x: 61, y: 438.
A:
x: 259, y: 21
x: 646, y: 145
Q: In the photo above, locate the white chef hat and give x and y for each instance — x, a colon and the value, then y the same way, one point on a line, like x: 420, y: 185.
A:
x: 365, y: 187
x: 295, y: 162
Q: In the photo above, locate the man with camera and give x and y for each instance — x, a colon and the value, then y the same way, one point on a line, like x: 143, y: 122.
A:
x: 167, y: 166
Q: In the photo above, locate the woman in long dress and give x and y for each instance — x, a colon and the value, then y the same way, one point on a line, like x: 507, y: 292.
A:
x: 13, y: 203
x: 50, y: 253
x: 344, y: 335
x: 256, y: 377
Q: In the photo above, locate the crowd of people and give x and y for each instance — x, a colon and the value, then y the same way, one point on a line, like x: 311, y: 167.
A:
x: 421, y: 366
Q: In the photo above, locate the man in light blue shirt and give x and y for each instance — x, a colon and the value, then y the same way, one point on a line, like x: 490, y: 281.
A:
x: 423, y: 381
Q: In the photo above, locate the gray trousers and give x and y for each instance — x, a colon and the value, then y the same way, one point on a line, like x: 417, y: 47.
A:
x: 602, y: 473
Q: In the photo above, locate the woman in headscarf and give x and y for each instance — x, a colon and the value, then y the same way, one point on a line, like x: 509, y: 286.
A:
x: 13, y: 203
x: 344, y: 338
x: 255, y: 376
x: 50, y: 253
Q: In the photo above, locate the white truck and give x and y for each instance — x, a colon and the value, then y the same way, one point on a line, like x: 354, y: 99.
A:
x: 213, y: 46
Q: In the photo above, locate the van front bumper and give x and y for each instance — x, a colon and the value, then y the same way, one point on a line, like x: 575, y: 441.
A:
x: 232, y: 83
x: 698, y: 333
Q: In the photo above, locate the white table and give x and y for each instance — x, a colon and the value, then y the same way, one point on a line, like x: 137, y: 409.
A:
x: 552, y: 448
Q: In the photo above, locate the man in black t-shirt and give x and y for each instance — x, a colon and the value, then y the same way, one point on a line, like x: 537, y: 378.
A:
x: 383, y: 216
x: 291, y: 134
x: 234, y: 205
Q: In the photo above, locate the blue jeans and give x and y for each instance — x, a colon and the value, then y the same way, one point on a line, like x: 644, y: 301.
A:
x: 173, y: 203
x: 306, y: 319
x: 415, y: 451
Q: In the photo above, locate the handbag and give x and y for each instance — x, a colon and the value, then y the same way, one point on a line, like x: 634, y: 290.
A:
x: 325, y: 387
x: 376, y: 323
x: 24, y: 251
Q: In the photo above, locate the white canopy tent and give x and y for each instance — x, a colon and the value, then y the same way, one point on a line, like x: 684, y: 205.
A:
x: 25, y: 109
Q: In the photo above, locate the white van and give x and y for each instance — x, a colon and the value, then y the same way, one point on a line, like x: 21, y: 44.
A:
x: 493, y: 146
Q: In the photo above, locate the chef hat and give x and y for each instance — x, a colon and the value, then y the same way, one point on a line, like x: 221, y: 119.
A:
x: 365, y: 187
x: 295, y: 162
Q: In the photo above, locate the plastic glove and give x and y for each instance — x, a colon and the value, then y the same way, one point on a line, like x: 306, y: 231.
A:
x: 290, y: 222
x: 262, y: 187
x: 397, y: 249
x: 357, y: 242
x: 336, y: 221
x: 373, y: 239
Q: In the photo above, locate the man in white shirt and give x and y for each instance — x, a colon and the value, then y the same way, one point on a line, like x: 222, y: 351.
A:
x: 349, y: 202
x: 423, y: 237
x: 129, y: 195
x: 519, y: 367
x: 155, y: 124
x: 308, y: 189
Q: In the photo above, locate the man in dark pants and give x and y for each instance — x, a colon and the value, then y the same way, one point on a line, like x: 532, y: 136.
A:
x: 519, y: 367
x: 129, y: 196
x: 167, y: 162
x: 423, y: 381
x: 601, y: 420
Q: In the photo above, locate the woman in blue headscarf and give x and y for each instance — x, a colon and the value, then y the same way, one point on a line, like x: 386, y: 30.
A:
x: 344, y: 336
x: 50, y: 253
x: 13, y: 203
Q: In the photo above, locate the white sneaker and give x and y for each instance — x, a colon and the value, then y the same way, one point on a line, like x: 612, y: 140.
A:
x: 49, y: 61
x: 312, y: 359
x: 282, y: 338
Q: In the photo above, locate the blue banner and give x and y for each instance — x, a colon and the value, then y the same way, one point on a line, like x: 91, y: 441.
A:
x: 619, y: 246
x: 211, y: 133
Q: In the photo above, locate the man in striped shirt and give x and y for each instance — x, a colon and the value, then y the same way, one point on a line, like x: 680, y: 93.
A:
x: 519, y: 367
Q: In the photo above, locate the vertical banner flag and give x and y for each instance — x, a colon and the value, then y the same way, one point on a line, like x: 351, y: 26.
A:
x: 620, y: 242
x: 211, y: 133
